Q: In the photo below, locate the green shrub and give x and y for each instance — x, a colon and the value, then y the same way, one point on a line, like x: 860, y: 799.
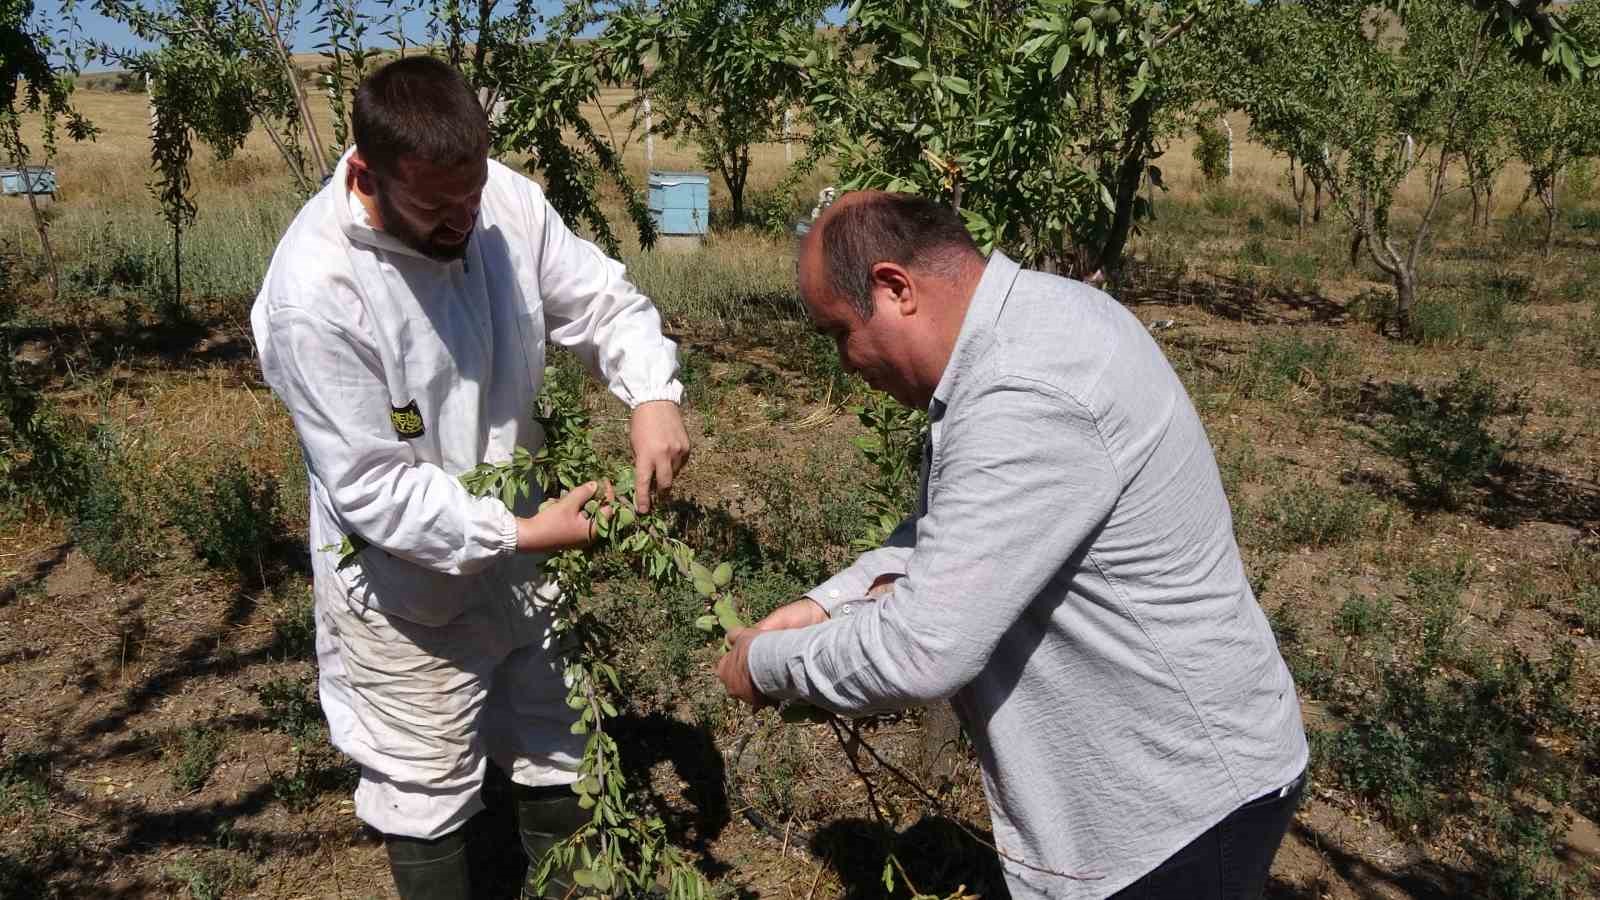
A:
x: 42, y: 456
x: 1211, y: 153
x: 774, y: 211
x: 1310, y: 516
x: 1586, y: 338
x: 1360, y: 616
x: 1375, y: 306
x: 316, y: 771
x: 1305, y: 266
x: 232, y: 519
x: 1582, y: 179
x: 294, y: 625
x: 290, y: 706
x: 1255, y: 253
x: 1437, y: 321
x: 193, y: 756
x: 1222, y: 203
x: 213, y: 875
x: 111, y: 522
x: 1444, y: 436
x: 1584, y: 219
x: 1275, y: 365
x: 24, y: 783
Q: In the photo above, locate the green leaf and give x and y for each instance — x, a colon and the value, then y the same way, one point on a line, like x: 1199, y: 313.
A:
x: 706, y: 623
x: 1033, y: 44
x: 906, y: 62
x: 956, y: 85
x: 579, y: 728
x: 723, y: 575
x: 699, y: 572
x: 888, y: 876
x: 1063, y: 54
x: 704, y: 587
x: 727, y: 614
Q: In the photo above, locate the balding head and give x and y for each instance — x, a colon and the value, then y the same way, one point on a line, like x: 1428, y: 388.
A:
x: 863, y: 228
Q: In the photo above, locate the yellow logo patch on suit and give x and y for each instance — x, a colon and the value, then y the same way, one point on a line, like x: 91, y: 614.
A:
x: 407, y: 421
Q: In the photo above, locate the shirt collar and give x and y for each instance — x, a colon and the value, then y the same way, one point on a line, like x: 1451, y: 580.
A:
x: 988, y: 298
x: 353, y: 218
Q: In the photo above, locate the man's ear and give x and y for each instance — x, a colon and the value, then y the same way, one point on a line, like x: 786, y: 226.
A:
x: 892, y: 282
x: 365, y: 179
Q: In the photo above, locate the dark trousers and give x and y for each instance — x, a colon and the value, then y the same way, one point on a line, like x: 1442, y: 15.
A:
x: 1229, y: 862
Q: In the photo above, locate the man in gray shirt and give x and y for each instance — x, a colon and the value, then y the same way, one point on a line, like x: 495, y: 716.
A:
x: 1070, y: 579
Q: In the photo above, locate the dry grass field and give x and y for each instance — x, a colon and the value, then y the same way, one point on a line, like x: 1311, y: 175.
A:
x: 158, y: 733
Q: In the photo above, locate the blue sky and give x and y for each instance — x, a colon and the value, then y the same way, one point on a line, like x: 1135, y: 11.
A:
x: 95, y: 27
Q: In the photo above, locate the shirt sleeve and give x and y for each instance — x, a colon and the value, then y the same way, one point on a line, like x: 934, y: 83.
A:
x: 852, y: 583
x: 592, y: 309
x: 1025, y: 479
x: 334, y: 389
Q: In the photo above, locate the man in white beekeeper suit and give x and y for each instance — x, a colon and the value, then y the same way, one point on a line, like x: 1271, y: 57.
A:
x: 403, y: 323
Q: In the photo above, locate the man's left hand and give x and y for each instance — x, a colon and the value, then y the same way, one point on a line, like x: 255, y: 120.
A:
x: 734, y: 668
x: 660, y: 448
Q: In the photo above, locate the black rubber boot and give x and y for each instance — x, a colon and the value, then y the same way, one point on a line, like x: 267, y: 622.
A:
x: 430, y: 870
x: 546, y: 816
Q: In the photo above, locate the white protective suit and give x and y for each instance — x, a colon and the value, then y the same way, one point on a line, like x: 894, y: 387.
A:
x: 402, y: 372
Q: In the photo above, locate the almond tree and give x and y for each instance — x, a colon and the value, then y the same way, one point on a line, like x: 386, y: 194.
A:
x: 30, y: 83
x: 715, y: 74
x: 1554, y: 124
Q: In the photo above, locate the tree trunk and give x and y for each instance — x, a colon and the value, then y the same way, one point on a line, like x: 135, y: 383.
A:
x: 177, y: 271
x: 1547, y: 199
x: 1129, y: 170
x: 40, y: 227
x: 1316, y: 202
x: 1297, y: 187
x: 1405, y: 297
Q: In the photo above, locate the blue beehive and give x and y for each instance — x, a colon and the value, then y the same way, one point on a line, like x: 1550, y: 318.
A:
x: 41, y: 178
x: 680, y: 202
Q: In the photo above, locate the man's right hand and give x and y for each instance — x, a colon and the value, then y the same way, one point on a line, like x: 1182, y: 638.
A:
x: 561, y: 524
x: 802, y: 613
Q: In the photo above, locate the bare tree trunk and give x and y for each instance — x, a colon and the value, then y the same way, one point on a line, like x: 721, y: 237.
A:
x: 318, y: 152
x: 40, y: 226
x: 44, y: 237
x: 1547, y: 199
x: 1228, y: 130
x: 1297, y: 186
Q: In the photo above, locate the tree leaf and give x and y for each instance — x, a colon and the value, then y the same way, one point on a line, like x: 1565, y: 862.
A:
x: 1063, y: 54
x: 723, y: 575
x: 956, y: 85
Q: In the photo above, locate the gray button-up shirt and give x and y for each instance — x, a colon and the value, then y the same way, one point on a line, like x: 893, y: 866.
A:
x: 1072, y: 584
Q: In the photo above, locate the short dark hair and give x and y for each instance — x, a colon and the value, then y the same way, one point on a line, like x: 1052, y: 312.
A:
x: 905, y: 229
x: 420, y: 107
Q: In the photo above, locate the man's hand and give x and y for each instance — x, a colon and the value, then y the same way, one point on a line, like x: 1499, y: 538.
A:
x: 734, y: 667
x: 660, y: 448
x: 561, y: 524
x: 802, y: 613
